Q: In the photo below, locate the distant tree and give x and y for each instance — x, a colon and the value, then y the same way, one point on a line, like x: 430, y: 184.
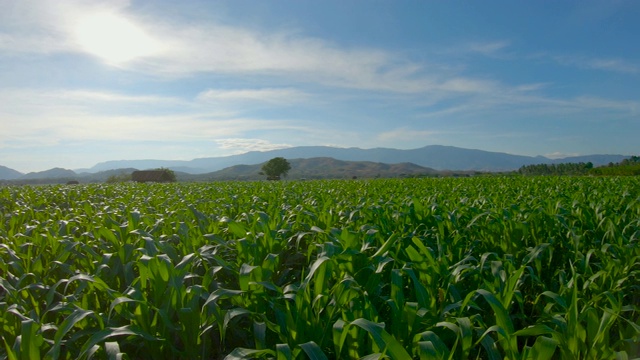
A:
x: 119, y: 178
x: 170, y: 174
x: 156, y: 175
x: 275, y: 168
x: 557, y: 169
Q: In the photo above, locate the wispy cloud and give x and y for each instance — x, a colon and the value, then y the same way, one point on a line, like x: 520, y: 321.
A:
x: 492, y: 48
x: 211, y: 47
x: 487, y: 48
x: 47, y: 27
x: 225, y: 49
x: 406, y: 134
x: 560, y: 155
x: 467, y: 85
x: 590, y: 62
x: 57, y: 117
x: 270, y: 95
x: 524, y: 101
x: 241, y: 145
x: 617, y: 65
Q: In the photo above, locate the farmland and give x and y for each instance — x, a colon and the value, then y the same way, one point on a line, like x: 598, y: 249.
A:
x: 518, y: 268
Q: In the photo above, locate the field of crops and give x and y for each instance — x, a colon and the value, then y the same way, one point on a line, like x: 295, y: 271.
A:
x: 490, y: 268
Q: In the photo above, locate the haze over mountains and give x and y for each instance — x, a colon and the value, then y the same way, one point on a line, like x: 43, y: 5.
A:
x: 429, y: 157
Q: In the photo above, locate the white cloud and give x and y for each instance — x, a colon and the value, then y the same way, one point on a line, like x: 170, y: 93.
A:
x: 517, y: 102
x: 617, y: 65
x: 531, y: 87
x: 406, y: 134
x: 492, y: 49
x: 199, y: 47
x: 58, y: 117
x: 240, y: 145
x: 47, y: 27
x: 220, y: 48
x: 587, y: 62
x: 466, y: 85
x: 560, y: 155
x: 487, y: 48
x: 270, y: 95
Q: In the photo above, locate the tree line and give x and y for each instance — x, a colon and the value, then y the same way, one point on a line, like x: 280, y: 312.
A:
x: 629, y: 166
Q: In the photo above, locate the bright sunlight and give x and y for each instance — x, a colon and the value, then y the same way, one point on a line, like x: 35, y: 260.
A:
x: 114, y: 39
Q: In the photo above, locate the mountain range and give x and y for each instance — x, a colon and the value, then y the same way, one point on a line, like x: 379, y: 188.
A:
x: 428, y: 158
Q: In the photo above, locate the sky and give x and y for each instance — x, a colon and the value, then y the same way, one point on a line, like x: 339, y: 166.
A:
x: 82, y: 82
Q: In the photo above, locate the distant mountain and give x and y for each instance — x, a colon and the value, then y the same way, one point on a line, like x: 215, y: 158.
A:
x: 144, y: 165
x: 434, y: 156
x: 54, y: 173
x: 9, y: 174
x: 320, y: 168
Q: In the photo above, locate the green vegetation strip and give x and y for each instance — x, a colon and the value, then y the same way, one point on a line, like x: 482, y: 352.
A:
x: 518, y: 268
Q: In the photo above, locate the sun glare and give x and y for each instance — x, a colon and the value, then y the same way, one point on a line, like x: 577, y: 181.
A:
x: 114, y: 38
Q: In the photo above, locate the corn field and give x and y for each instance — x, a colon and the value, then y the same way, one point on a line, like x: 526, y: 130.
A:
x: 478, y: 268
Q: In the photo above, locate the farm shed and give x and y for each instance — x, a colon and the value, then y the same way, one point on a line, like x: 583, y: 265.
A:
x: 153, y: 176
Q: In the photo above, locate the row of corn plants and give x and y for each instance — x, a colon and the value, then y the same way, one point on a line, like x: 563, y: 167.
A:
x: 481, y: 268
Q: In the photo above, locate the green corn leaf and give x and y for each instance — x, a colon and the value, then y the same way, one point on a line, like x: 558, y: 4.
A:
x: 31, y: 340
x: 427, y: 351
x: 11, y: 355
x: 260, y: 333
x: 502, y: 317
x: 108, y: 333
x: 230, y: 315
x: 383, y: 339
x: 221, y: 294
x: 489, y: 344
x: 118, y: 301
x: 237, y: 229
x: 244, y: 354
x: 283, y: 352
x: 503, y: 321
x: 187, y: 259
x: 422, y: 294
x: 244, y: 276
x: 386, y: 246
x: 313, y: 351
x: 535, y: 330
x: 113, y: 350
x: 339, y: 333
x: 69, y: 322
x: 432, y: 345
x: 466, y: 334
x: 543, y: 349
x: 375, y: 356
x: 556, y: 298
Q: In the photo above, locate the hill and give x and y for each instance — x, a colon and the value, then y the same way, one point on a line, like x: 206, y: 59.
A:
x: 322, y: 168
x: 55, y: 173
x: 314, y: 168
x: 9, y: 174
x: 434, y: 156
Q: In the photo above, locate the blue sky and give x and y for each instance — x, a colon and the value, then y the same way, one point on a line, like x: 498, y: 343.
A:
x: 88, y: 81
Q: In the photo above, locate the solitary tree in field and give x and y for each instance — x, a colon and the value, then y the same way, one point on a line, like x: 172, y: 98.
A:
x: 276, y: 167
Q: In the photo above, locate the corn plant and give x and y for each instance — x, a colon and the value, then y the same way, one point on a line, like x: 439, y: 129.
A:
x: 496, y: 267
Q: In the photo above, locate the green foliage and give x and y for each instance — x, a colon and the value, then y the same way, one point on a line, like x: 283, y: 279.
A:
x: 557, y: 169
x: 118, y: 178
x: 170, y: 175
x: 627, y: 167
x: 518, y: 268
x: 275, y: 168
